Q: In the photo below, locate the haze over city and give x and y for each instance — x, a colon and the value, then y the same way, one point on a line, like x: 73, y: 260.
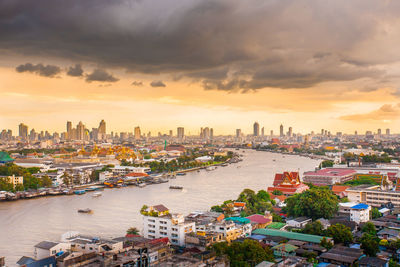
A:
x: 221, y: 63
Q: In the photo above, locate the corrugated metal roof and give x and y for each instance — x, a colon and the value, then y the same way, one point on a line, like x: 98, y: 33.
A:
x: 290, y: 235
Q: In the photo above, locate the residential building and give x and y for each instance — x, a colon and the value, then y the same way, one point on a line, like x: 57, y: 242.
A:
x: 389, y: 234
x: 260, y: 221
x: 87, y: 244
x: 299, y: 222
x: 47, y: 249
x: 137, y: 133
x: 284, y: 250
x: 163, y: 224
x: 228, y: 229
x: 14, y: 180
x: 360, y: 213
x: 180, y: 133
x: 340, y: 255
x: 329, y: 176
x: 202, y: 239
x: 23, y: 131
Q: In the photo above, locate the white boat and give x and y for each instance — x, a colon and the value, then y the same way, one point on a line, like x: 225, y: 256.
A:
x: 97, y: 194
x: 211, y: 168
x: 142, y: 184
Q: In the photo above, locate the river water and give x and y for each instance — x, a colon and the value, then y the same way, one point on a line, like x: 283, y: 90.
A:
x: 25, y: 223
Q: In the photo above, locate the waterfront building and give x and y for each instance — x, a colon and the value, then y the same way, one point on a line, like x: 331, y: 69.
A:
x: 14, y: 180
x: 256, y: 129
x: 123, y: 170
x: 47, y: 249
x: 288, y: 183
x: 329, y: 176
x: 87, y: 244
x: 159, y: 223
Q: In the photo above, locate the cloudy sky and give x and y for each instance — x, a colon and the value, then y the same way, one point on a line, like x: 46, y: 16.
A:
x: 192, y: 63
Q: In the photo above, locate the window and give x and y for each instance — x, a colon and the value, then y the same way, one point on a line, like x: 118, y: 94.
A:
x: 175, y: 229
x: 53, y: 251
x: 174, y: 235
x: 174, y: 240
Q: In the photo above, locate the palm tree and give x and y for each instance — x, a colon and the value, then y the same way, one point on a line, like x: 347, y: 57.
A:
x: 132, y: 231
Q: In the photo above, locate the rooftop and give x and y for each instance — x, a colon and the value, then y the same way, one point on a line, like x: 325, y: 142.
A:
x: 46, y: 245
x: 290, y: 235
x: 330, y: 172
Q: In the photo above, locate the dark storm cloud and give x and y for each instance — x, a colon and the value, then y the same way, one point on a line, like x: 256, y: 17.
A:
x: 75, y: 71
x: 224, y: 44
x: 137, y: 83
x: 100, y: 75
x: 157, y: 84
x: 40, y: 69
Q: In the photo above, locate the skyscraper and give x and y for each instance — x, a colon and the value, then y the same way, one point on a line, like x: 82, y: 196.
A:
x: 180, y: 132
x: 387, y: 131
x: 23, y: 131
x: 137, y: 133
x: 69, y: 130
x: 80, y: 131
x: 256, y: 129
x: 211, y: 133
x: 102, y: 127
x: 238, y: 133
x: 262, y: 131
x: 290, y: 133
x: 281, y: 134
x: 379, y: 131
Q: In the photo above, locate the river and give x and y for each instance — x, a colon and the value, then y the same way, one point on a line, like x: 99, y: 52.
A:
x: 25, y: 223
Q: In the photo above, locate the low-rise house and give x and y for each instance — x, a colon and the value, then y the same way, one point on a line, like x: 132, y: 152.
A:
x: 87, y: 244
x: 299, y: 222
x: 384, y: 211
x: 340, y: 255
x: 47, y: 249
x: 243, y: 224
x: 340, y: 190
x: 284, y: 250
x: 72, y: 259
x: 389, y: 234
x: 29, y: 262
x: 202, y: 240
x: 372, y: 262
x: 260, y: 221
x: 228, y: 229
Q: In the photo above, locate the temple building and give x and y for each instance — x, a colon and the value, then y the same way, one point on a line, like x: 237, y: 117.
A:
x: 288, y: 183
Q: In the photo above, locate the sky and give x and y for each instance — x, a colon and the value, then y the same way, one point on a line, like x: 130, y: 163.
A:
x: 195, y: 63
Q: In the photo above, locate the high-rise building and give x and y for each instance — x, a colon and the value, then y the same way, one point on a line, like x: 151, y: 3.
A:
x: 272, y: 133
x: 262, y: 131
x: 290, y: 132
x: 211, y: 133
x: 387, y: 131
x: 355, y: 133
x: 256, y: 129
x: 170, y: 133
x: 23, y: 131
x: 281, y: 134
x: 33, y: 135
x: 80, y: 131
x: 69, y: 130
x: 379, y: 132
x: 206, y: 133
x: 322, y: 131
x: 238, y: 133
x: 102, y: 131
x: 137, y: 133
x: 180, y: 132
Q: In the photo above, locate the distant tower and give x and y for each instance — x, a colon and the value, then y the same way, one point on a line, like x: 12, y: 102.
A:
x: 272, y: 133
x: 256, y: 129
x: 69, y: 130
x: 387, y: 131
x: 180, y: 132
x: 80, y: 128
x: 23, y: 131
x: 238, y: 133
x: 290, y: 131
x: 262, y: 131
x: 137, y: 133
x: 281, y: 134
x: 211, y: 133
x: 379, y: 132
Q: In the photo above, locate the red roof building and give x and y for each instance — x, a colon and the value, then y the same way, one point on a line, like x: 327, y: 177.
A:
x: 340, y: 190
x: 288, y: 183
x: 329, y: 176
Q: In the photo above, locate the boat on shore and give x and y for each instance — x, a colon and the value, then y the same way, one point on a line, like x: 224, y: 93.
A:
x: 211, y: 168
x: 85, y: 210
x: 176, y: 187
x: 79, y: 192
x: 181, y: 173
x: 142, y: 185
x: 97, y: 194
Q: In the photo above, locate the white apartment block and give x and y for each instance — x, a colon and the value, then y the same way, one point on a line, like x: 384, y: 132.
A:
x: 172, y: 226
x: 121, y: 170
x: 360, y: 213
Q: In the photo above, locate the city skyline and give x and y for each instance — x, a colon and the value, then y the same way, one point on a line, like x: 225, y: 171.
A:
x: 248, y: 71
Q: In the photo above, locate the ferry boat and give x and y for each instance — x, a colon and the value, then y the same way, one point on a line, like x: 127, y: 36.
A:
x: 175, y: 187
x: 85, y: 210
x: 181, y: 173
x: 97, y: 194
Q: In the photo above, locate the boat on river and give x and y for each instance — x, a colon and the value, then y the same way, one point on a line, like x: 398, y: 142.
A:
x: 211, y: 168
x: 176, y: 187
x: 79, y: 192
x: 181, y: 173
x: 97, y: 194
x: 85, y: 210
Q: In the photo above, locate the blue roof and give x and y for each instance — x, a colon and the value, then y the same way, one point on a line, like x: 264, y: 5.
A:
x: 360, y: 206
x: 239, y: 220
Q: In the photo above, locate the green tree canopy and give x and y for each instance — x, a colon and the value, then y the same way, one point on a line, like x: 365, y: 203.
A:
x: 369, y: 244
x: 340, y: 233
x: 314, y: 203
x: 369, y: 228
x: 314, y: 228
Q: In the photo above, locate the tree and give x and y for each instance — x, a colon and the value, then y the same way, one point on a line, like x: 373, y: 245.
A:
x: 276, y: 218
x: 327, y: 163
x: 263, y: 195
x: 277, y: 192
x: 340, y: 233
x: 369, y: 244
x: 246, y: 253
x: 315, y: 203
x: 325, y: 243
x: 46, y: 181
x: 132, y: 231
x: 217, y: 208
x: 313, y: 228
x: 369, y: 228
x: 375, y: 213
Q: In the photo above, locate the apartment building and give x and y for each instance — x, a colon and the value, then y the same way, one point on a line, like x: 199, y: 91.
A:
x: 159, y: 223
